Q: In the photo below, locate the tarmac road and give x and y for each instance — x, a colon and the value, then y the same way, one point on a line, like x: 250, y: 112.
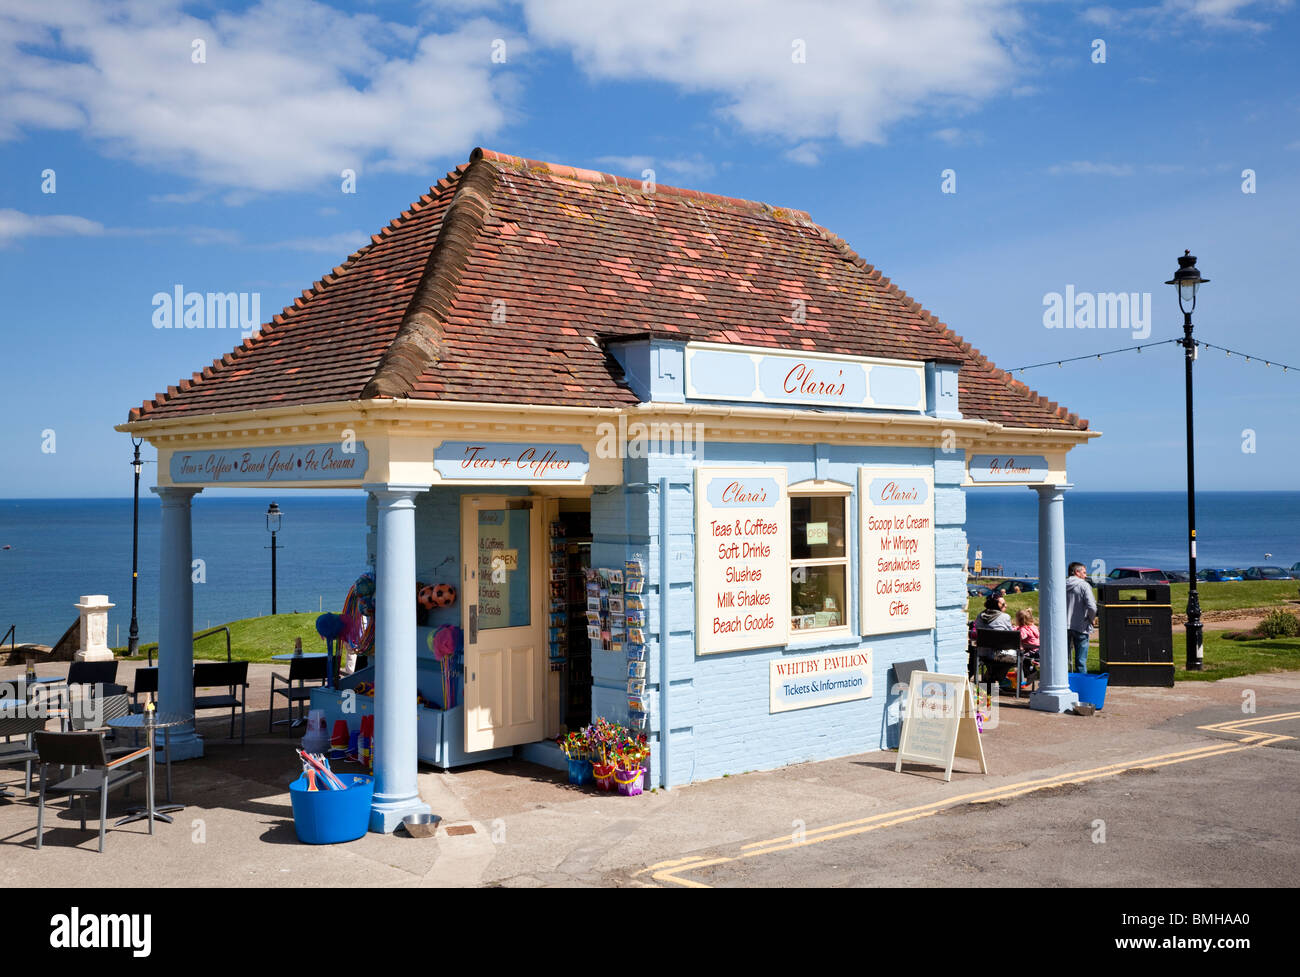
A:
x: 1222, y: 819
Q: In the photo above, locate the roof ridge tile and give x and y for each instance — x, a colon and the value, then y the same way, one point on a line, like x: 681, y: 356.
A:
x: 568, y: 172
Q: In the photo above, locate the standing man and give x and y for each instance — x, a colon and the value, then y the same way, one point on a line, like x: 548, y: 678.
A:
x: 1080, y: 612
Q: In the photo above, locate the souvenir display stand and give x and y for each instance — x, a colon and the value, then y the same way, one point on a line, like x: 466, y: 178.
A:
x: 441, y: 735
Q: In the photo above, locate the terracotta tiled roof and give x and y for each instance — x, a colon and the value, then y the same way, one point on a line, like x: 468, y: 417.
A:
x: 503, y: 283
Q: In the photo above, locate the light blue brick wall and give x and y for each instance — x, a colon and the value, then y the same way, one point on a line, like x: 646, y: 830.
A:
x: 718, y: 709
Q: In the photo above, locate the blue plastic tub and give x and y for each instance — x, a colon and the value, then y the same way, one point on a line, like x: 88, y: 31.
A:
x: 326, y: 817
x: 1090, y: 688
x: 579, y: 771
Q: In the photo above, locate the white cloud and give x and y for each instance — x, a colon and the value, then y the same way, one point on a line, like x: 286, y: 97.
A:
x: 15, y: 225
x: 868, y: 63
x: 959, y: 137
x: 627, y: 165
x: 291, y: 93
x: 342, y: 243
x: 188, y: 197
x: 1171, y: 15
x: 805, y: 154
x: 1088, y: 168
x: 694, y: 168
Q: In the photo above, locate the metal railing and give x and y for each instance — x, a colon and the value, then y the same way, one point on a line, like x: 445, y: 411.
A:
x: 11, y: 638
x: 206, y: 634
x: 197, y: 638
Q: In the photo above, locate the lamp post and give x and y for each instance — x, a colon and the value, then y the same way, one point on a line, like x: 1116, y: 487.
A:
x: 273, y: 526
x: 1187, y: 279
x: 133, y: 635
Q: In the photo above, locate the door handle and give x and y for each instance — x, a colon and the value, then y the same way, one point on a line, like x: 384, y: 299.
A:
x: 473, y: 624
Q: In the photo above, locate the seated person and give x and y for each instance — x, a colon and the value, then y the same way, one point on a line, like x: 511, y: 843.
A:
x: 1029, y: 639
x: 994, y: 617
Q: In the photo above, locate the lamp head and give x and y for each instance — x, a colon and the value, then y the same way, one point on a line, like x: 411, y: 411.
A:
x: 1187, y: 279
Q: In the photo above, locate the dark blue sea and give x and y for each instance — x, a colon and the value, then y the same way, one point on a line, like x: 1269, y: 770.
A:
x: 1233, y: 529
x: 61, y: 549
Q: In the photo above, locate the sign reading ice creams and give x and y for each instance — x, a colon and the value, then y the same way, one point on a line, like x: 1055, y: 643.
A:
x: 897, y: 526
x: 333, y: 461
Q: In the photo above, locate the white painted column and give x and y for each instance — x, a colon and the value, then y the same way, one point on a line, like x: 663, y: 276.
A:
x: 1053, y: 693
x: 396, y: 722
x: 176, y: 618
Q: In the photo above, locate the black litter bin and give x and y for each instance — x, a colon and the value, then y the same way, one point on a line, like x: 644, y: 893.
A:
x: 1137, y: 632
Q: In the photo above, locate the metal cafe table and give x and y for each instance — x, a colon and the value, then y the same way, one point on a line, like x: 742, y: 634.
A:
x: 163, y: 721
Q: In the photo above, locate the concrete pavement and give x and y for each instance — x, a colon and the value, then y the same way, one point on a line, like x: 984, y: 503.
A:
x: 516, y: 824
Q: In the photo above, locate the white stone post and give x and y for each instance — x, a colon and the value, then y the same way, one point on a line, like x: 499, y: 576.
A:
x: 94, y: 629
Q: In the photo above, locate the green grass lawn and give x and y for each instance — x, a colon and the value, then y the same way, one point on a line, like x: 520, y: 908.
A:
x: 254, y: 639
x: 1224, y: 658
x: 1229, y: 595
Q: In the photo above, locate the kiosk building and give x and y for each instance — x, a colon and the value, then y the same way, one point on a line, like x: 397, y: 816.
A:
x: 756, y: 441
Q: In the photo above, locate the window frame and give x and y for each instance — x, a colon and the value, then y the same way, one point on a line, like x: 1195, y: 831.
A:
x: 823, y: 488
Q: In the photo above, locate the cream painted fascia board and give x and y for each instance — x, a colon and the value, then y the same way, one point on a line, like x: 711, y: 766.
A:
x: 546, y: 421
x: 390, y: 416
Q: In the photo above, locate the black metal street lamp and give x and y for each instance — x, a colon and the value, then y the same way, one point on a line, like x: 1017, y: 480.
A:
x: 133, y: 638
x: 273, y: 526
x: 1187, y: 279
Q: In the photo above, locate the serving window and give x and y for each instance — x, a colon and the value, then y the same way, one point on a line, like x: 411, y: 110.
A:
x: 819, y: 562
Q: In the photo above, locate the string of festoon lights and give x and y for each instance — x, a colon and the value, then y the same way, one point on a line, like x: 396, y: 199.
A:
x: 1248, y: 357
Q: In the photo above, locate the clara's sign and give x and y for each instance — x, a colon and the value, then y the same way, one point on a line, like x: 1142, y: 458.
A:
x: 330, y: 462
x: 742, y: 520
x: 818, y: 680
x: 1008, y: 468
x: 484, y: 461
x: 897, y: 531
x: 721, y: 372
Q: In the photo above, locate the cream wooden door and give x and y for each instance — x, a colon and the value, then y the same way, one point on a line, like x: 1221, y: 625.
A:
x: 503, y: 553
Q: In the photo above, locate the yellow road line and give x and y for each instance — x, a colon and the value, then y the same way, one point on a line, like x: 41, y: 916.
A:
x: 976, y: 796
x: 669, y: 871
x: 1232, y: 725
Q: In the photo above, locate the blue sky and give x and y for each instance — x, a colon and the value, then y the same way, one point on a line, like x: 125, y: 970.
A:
x: 218, y: 167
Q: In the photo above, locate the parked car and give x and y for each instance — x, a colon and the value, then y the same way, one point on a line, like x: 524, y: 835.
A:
x: 1015, y: 587
x: 978, y: 590
x: 1267, y: 573
x: 1177, y: 576
x: 1138, y: 573
x: 1218, y: 575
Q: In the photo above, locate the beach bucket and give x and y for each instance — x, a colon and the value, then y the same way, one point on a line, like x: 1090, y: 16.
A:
x: 1090, y: 688
x: 629, y: 781
x: 579, y: 771
x: 604, y: 774
x: 327, y: 817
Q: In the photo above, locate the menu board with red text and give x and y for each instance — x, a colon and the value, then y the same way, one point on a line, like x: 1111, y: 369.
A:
x: 742, y: 544
x: 897, y: 527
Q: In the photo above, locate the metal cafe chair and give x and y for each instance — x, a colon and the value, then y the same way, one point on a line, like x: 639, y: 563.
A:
x: 13, y: 753
x: 306, y: 668
x: 103, y: 708
x: 98, y: 774
x: 146, y: 683
x: 232, y: 675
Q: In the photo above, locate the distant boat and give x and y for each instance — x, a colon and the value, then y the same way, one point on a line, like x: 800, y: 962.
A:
x: 6, y: 547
